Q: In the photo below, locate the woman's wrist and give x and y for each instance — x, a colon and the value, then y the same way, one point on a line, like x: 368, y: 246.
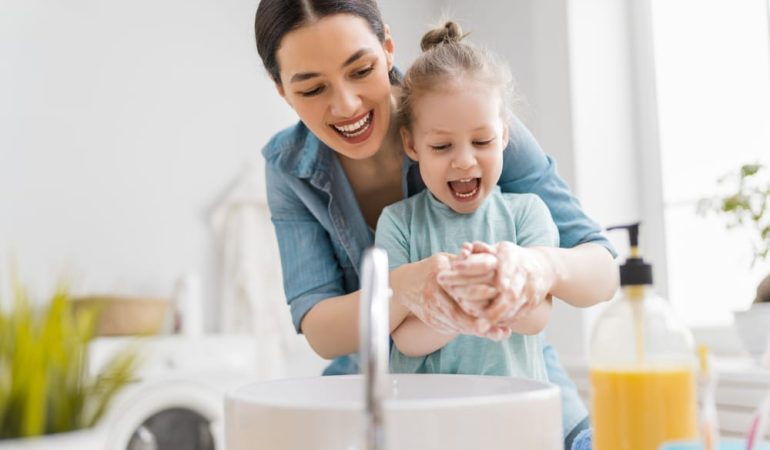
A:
x: 552, y: 265
x: 583, y: 275
x: 406, y: 288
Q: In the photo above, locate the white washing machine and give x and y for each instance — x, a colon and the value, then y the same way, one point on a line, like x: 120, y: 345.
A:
x: 178, y: 401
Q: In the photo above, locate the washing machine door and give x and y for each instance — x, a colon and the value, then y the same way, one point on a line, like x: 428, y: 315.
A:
x: 166, y: 415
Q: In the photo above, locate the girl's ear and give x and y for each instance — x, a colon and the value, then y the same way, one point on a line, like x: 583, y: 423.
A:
x: 505, y: 134
x: 408, y: 142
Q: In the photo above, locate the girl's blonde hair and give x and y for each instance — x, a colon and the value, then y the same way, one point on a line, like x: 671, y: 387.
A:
x: 445, y: 59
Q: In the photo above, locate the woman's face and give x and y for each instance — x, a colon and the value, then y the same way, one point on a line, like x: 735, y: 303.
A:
x: 334, y: 74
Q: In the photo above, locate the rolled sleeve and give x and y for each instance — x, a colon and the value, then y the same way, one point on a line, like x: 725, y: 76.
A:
x: 311, y: 273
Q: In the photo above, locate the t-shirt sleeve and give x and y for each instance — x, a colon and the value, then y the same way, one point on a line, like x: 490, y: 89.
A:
x: 392, y: 235
x: 527, y: 169
x: 534, y: 225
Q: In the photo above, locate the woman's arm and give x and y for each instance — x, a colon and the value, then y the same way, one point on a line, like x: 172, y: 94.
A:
x: 414, y: 338
x: 529, y: 272
x: 526, y: 168
x: 582, y: 276
x: 582, y: 272
x: 331, y: 325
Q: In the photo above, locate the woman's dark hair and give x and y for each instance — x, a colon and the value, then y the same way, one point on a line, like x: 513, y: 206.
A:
x: 276, y: 18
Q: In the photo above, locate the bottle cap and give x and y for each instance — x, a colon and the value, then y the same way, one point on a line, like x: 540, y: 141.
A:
x: 635, y: 271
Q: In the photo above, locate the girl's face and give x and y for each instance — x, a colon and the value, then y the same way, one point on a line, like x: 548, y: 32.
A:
x: 334, y: 74
x: 458, y: 137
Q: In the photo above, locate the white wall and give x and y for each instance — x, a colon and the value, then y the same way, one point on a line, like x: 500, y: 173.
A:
x: 121, y: 124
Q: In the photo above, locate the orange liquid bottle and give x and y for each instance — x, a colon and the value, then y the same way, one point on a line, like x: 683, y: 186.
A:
x: 642, y: 367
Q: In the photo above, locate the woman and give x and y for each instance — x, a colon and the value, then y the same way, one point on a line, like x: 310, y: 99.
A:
x: 330, y: 176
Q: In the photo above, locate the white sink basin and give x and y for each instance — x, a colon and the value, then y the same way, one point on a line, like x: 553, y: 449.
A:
x: 422, y: 412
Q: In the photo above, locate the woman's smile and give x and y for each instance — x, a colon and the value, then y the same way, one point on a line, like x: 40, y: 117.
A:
x: 357, y: 129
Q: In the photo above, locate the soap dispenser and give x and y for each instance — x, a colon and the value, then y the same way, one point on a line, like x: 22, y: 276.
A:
x: 642, y: 365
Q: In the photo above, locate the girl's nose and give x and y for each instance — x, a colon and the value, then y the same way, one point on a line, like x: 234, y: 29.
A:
x: 464, y: 159
x: 345, y: 103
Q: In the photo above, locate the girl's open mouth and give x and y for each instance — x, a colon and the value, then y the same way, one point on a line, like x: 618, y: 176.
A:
x: 358, y: 130
x: 465, y: 189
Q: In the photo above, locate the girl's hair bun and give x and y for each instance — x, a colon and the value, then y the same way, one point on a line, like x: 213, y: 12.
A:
x: 449, y: 33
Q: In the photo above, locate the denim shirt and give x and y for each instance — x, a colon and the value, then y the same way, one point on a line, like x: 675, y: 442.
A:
x: 322, y: 232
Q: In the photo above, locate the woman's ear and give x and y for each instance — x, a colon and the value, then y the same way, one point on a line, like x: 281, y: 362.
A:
x: 282, y: 93
x: 389, y: 46
x: 408, y: 142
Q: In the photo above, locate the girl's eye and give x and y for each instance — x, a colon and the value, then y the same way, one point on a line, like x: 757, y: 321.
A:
x: 312, y: 92
x: 363, y: 72
x: 440, y: 147
x: 483, y: 143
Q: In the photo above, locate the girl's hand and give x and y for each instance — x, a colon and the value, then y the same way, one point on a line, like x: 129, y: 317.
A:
x: 472, y: 285
x: 503, y: 282
x: 432, y: 304
x: 470, y: 282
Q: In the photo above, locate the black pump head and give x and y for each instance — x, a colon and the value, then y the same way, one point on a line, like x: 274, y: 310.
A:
x: 633, y: 232
x: 635, y: 271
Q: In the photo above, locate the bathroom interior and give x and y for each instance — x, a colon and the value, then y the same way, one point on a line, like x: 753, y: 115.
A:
x: 131, y: 173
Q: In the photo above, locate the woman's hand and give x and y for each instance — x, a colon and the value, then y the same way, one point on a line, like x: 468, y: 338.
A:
x: 421, y: 293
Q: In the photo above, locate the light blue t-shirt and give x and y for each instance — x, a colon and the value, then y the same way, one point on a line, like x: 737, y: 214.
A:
x: 420, y: 226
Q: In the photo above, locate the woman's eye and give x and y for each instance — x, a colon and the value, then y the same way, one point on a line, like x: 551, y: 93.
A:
x: 363, y: 72
x: 483, y: 143
x: 439, y: 147
x: 312, y: 92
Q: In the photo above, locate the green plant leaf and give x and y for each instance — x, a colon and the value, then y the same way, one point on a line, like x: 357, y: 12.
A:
x: 45, y: 386
x: 746, y: 206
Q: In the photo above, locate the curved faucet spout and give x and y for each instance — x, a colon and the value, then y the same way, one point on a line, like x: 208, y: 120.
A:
x: 374, y: 323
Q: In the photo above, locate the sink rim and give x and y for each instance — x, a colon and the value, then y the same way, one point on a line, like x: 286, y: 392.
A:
x: 540, y: 389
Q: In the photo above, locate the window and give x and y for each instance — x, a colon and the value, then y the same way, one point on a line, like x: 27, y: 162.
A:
x: 712, y: 60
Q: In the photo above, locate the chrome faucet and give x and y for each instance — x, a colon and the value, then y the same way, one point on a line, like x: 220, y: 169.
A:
x: 374, y: 341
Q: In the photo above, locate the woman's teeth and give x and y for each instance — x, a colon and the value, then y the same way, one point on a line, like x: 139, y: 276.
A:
x: 354, y: 129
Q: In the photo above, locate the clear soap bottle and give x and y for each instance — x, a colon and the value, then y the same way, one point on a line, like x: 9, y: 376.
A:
x: 642, y: 366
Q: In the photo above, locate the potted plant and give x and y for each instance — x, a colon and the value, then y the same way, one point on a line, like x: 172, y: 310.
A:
x: 48, y: 398
x: 746, y: 204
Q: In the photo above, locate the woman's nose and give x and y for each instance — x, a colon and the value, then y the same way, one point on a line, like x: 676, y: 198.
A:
x: 345, y: 103
x: 464, y: 159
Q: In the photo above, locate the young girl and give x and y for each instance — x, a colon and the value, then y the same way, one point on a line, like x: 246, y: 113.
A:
x: 453, y: 115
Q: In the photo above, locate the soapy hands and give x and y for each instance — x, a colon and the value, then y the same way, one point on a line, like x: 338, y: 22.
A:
x: 495, y: 286
x: 432, y: 304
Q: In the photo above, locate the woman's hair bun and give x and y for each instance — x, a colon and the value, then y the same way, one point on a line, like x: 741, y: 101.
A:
x: 449, y: 33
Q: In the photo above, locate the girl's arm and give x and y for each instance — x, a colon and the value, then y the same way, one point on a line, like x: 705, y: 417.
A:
x: 414, y: 338
x: 535, y: 319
